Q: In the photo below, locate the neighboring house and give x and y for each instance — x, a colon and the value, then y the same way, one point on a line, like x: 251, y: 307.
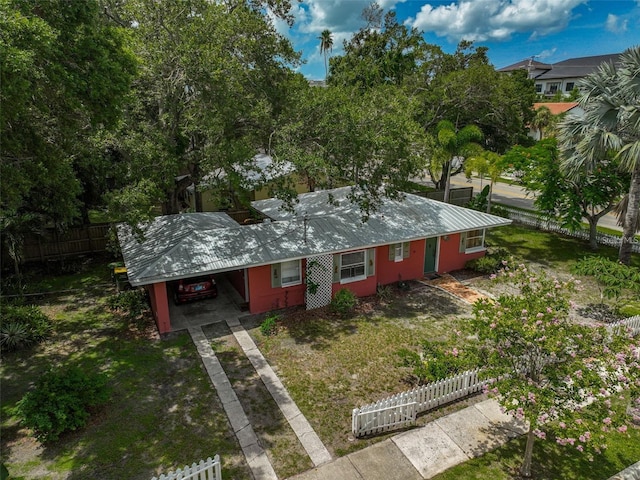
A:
x: 561, y: 77
x: 304, y: 256
x: 556, y: 109
x: 255, y: 181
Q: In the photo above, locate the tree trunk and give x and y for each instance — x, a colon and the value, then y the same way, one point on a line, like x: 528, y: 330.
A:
x: 630, y: 219
x: 489, y: 197
x: 593, y: 232
x: 525, y: 469
x: 447, y: 174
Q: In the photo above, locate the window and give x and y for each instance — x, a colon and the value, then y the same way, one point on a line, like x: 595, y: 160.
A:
x: 352, y: 266
x: 474, y: 240
x: 538, y: 88
x: 552, y: 87
x: 569, y: 86
x: 399, y: 251
x: 290, y: 272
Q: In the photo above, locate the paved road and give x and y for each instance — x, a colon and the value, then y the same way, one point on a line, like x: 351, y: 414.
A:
x: 518, y: 197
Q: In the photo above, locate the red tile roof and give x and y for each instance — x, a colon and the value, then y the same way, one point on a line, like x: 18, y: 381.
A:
x: 556, y: 108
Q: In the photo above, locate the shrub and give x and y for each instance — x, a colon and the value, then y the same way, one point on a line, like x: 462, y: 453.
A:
x: 132, y: 303
x: 491, y: 262
x: 23, y: 326
x: 269, y: 325
x: 343, y: 302
x: 60, y: 402
x: 384, y: 293
x: 436, y: 362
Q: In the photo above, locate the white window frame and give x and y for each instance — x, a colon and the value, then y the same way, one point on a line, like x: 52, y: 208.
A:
x: 294, y: 280
x: 398, y: 252
x: 473, y: 239
x: 352, y: 266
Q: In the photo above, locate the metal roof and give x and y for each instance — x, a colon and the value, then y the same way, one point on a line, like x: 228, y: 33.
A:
x: 578, y: 67
x: 200, y: 243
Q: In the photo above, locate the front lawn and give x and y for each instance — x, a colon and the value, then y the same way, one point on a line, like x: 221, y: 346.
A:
x: 332, y: 365
x: 163, y: 412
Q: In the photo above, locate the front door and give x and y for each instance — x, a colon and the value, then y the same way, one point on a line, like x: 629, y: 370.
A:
x: 430, y: 250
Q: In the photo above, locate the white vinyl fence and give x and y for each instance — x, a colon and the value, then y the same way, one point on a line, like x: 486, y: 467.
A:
x: 533, y: 219
x: 400, y: 410
x: 632, y: 322
x: 208, y: 469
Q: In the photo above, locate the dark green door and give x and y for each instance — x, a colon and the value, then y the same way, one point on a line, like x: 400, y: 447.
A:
x: 430, y: 250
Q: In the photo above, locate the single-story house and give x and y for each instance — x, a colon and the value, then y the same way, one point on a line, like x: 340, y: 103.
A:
x: 556, y: 109
x: 321, y: 242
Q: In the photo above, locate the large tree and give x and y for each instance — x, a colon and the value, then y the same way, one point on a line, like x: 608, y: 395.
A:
x: 569, y: 198
x: 214, y: 79
x: 66, y: 70
x: 337, y: 136
x: 611, y: 122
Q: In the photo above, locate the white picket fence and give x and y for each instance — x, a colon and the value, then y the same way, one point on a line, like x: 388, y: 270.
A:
x: 632, y: 322
x: 208, y: 469
x: 400, y: 410
x: 533, y: 219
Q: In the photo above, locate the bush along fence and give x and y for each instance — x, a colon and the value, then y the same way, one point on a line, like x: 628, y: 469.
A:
x: 538, y: 221
x: 400, y: 410
x: 208, y: 469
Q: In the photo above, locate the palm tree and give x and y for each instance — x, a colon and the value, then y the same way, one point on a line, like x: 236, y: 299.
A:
x: 326, y: 44
x: 453, y: 146
x: 611, y: 122
x: 542, y: 120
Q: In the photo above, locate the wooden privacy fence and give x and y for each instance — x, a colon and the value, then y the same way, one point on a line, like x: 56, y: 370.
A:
x: 533, y: 219
x: 400, y: 410
x: 208, y: 469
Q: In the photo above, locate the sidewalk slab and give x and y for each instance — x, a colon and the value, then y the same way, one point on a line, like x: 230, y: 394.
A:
x: 430, y: 450
x: 491, y: 410
x: 341, y: 469
x: 474, y: 433
x: 383, y: 461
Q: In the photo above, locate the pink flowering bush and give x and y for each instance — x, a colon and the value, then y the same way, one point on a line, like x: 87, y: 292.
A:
x: 555, y: 374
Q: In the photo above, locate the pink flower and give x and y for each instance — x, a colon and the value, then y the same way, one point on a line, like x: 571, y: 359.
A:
x: 492, y: 326
x: 607, y: 421
x: 455, y: 352
x: 580, y: 448
x: 540, y: 434
x: 562, y: 425
x: 622, y: 428
x: 549, y: 310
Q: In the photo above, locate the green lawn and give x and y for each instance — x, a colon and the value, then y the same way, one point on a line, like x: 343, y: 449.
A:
x: 163, y: 412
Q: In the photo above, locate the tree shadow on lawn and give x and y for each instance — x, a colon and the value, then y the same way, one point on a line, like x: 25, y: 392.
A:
x: 319, y: 327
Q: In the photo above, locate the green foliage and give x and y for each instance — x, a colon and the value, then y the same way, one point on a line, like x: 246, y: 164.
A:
x: 544, y: 366
x: 491, y: 262
x: 22, y: 326
x: 343, y: 302
x: 384, y: 293
x: 437, y: 361
x: 269, y: 325
x: 481, y: 201
x: 131, y: 303
x: 61, y: 401
x: 613, y: 278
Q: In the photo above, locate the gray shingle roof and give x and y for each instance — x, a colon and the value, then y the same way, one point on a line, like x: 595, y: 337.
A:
x: 203, y: 243
x: 578, y: 67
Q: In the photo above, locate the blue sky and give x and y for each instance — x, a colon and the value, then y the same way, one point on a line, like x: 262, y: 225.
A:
x: 550, y: 30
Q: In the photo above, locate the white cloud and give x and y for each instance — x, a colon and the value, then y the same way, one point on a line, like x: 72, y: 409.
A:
x: 482, y: 20
x: 546, y: 54
x: 616, y: 24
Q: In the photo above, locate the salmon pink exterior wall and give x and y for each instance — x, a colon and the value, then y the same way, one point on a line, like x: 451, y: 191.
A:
x: 450, y: 258
x: 389, y: 271
x: 264, y: 298
x: 160, y: 306
x: 361, y: 288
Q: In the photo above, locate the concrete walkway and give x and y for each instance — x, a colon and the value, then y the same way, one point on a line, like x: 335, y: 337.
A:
x: 256, y: 457
x: 426, y: 451
x: 314, y: 447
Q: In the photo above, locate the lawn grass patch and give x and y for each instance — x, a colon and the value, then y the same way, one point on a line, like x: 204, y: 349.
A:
x: 162, y: 414
x: 331, y: 365
x: 276, y: 436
